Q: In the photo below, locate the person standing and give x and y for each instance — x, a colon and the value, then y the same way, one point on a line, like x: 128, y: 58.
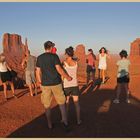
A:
x: 103, y: 54
x: 6, y: 76
x: 29, y: 63
x: 90, y: 59
x: 71, y: 88
x: 49, y: 72
x: 123, y: 76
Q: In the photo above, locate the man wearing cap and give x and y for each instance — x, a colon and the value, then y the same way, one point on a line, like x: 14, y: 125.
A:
x: 49, y: 72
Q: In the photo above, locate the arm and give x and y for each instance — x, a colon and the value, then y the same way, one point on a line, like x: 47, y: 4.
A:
x: 62, y: 72
x: 108, y: 55
x: 23, y: 62
x: 38, y: 75
x: 60, y: 69
x: 97, y: 57
x: 8, y: 67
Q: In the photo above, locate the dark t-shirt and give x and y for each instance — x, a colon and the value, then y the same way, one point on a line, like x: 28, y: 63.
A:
x: 46, y: 62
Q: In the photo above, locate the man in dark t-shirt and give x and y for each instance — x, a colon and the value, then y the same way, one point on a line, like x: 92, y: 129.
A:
x: 49, y: 72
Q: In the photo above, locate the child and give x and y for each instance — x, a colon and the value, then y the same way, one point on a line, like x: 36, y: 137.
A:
x: 71, y: 88
x: 123, y: 76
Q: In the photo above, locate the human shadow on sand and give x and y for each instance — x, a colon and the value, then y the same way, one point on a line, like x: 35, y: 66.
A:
x: 100, y: 119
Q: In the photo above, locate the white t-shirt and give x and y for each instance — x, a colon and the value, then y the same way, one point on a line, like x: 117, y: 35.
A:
x: 72, y: 71
x: 123, y: 67
x: 3, y: 67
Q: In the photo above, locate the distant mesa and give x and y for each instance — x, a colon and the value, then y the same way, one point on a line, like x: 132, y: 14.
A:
x: 81, y: 55
x: 15, y: 51
x: 135, y: 48
x: 135, y: 52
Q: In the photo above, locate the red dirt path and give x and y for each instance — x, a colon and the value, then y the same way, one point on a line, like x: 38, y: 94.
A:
x: 24, y: 117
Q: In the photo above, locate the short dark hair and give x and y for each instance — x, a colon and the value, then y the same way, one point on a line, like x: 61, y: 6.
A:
x: 123, y: 53
x: 48, y: 45
x: 90, y: 50
x: 100, y: 51
x: 69, y: 51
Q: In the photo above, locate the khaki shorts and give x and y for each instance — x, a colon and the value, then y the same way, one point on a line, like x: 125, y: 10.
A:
x: 49, y: 91
x: 30, y: 77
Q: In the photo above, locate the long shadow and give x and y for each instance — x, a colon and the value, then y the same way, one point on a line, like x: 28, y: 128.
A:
x: 18, y: 84
x: 87, y: 88
x: 22, y: 93
x: 101, y: 119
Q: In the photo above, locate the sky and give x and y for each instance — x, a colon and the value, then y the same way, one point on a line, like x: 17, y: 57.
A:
x: 113, y: 25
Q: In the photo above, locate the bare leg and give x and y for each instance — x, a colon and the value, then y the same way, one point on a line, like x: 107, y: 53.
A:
x: 63, y: 113
x: 35, y: 85
x: 31, y: 90
x: 118, y: 91
x: 127, y: 92
x: 103, y: 76
x: 48, y: 115
x: 116, y: 101
x: 12, y: 88
x: 77, y: 107
x: 67, y: 104
x: 5, y: 90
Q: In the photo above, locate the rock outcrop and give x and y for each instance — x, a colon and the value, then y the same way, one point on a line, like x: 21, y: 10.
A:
x: 81, y: 55
x: 135, y: 68
x: 15, y: 51
x: 135, y: 48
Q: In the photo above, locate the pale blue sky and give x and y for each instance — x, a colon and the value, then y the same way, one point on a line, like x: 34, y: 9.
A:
x: 112, y: 25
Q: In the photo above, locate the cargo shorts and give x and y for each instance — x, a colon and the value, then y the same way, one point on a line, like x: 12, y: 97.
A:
x: 49, y: 91
x: 30, y: 77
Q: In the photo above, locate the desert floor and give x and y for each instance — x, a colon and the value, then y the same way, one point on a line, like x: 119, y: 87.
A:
x: 24, y: 116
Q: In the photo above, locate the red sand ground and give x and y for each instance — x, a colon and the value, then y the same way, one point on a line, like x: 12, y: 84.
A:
x: 24, y: 117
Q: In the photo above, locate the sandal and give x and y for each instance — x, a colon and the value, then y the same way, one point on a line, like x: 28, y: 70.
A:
x: 79, y: 122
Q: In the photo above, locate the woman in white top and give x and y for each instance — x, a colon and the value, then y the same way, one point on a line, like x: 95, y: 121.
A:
x: 71, y: 87
x: 6, y: 76
x: 102, y: 63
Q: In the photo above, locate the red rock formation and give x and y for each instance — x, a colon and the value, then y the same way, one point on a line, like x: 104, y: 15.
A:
x: 135, y: 52
x: 135, y: 48
x: 135, y: 68
x: 80, y: 53
x: 14, y: 51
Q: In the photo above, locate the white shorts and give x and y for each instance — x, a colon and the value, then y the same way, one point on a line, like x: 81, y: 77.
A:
x: 102, y: 67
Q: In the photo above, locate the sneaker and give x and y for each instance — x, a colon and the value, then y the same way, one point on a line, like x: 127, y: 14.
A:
x: 128, y: 101
x: 116, y: 101
x: 79, y: 122
x: 66, y: 127
x: 15, y: 96
x: 103, y: 83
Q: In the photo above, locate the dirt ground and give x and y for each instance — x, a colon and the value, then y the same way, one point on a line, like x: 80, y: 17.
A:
x: 24, y: 116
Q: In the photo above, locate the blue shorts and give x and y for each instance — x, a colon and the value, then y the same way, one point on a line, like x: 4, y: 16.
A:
x: 124, y: 79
